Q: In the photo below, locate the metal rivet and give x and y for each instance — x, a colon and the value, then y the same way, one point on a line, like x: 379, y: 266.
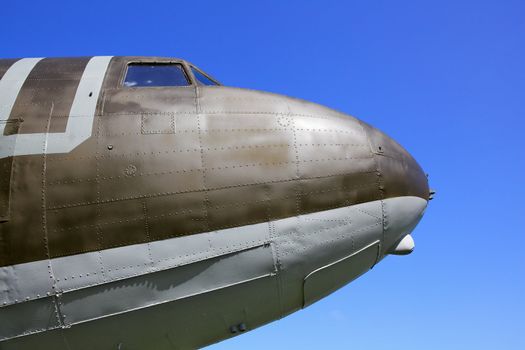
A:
x: 110, y: 147
x: 130, y: 170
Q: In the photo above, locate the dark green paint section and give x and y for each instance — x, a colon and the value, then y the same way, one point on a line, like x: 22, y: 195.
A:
x: 169, y: 162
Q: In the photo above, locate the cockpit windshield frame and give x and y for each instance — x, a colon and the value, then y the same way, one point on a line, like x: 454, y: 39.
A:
x: 193, y: 67
x: 186, y: 68
x: 183, y: 68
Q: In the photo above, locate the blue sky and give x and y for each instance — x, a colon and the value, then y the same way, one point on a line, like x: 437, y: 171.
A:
x: 444, y: 78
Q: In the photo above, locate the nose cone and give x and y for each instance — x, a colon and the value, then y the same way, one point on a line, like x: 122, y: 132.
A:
x: 404, y: 188
x: 400, y: 174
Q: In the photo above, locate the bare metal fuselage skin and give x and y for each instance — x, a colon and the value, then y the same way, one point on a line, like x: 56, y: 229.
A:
x: 175, y: 217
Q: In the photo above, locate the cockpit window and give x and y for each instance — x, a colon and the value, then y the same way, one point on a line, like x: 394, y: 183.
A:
x: 155, y: 74
x: 201, y: 78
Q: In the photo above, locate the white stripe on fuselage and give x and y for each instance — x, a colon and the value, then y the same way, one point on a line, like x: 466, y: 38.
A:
x: 10, y: 86
x: 81, y: 116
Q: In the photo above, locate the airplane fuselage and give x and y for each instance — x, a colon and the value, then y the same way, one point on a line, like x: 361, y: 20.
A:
x: 174, y: 212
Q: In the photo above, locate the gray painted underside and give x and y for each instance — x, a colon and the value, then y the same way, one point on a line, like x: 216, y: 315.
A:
x: 268, y: 259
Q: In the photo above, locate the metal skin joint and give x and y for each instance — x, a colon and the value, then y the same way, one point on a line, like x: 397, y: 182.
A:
x: 173, y: 217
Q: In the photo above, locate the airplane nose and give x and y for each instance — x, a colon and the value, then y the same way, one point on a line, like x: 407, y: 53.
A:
x: 404, y: 189
x: 400, y: 174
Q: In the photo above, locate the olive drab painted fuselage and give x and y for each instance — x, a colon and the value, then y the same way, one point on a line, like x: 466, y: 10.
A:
x: 177, y: 216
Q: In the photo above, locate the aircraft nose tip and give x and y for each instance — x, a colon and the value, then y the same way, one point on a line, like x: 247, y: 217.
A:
x: 400, y: 174
x: 405, y: 191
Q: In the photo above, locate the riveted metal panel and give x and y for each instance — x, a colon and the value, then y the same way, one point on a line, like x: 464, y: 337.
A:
x: 28, y: 318
x: 329, y: 278
x: 166, y: 162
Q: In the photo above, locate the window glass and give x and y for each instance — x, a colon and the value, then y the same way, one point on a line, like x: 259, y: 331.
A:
x: 201, y: 78
x: 155, y: 74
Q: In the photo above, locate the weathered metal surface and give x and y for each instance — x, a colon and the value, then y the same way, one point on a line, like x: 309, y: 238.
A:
x: 104, y: 187
x: 333, y: 276
x: 173, y: 146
